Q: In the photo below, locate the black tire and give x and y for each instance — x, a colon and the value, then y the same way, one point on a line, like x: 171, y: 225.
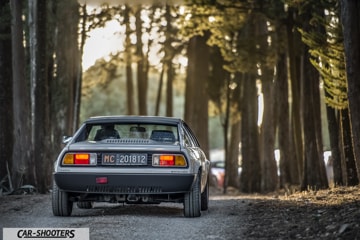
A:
x: 61, y: 204
x: 192, y: 200
x: 85, y: 205
x: 205, y: 197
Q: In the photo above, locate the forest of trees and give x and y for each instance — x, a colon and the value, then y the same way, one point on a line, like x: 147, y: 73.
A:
x: 289, y: 52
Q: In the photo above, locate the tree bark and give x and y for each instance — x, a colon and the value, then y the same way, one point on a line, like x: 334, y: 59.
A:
x: 335, y: 159
x: 232, y: 154
x: 288, y: 165
x: 196, y: 96
x: 348, y: 151
x: 350, y: 11
x: 168, y: 57
x: 39, y: 78
x: 64, y: 86
x: 141, y: 78
x: 294, y: 44
x: 314, y: 176
x: 250, y: 179
x: 169, y: 88
x: 128, y: 61
x: 226, y: 125
x: 78, y: 81
x: 22, y: 163
x: 267, y: 128
x: 269, y: 180
x: 232, y: 165
x: 6, y: 90
x: 159, y: 92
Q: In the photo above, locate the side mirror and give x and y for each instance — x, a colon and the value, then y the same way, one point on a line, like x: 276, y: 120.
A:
x: 66, y: 139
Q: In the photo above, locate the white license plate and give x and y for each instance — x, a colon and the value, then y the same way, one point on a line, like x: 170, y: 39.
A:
x: 124, y: 159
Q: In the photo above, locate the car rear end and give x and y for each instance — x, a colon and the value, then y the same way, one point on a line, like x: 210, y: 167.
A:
x: 128, y: 161
x: 129, y: 170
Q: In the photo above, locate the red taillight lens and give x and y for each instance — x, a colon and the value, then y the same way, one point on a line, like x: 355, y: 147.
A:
x: 167, y: 160
x: 81, y: 158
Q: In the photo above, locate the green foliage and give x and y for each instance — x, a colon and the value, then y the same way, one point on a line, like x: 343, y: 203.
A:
x: 98, y: 17
x: 233, y: 29
x: 222, y: 22
x: 327, y: 51
x: 100, y: 75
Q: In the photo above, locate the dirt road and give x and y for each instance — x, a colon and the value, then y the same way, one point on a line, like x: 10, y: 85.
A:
x: 330, y: 214
x: 223, y: 220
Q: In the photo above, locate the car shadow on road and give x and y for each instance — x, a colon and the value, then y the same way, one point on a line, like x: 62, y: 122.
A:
x: 152, y: 210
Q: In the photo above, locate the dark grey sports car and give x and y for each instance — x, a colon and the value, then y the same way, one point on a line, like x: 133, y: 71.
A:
x: 131, y: 159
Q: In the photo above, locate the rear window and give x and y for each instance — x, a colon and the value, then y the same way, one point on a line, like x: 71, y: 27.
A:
x: 152, y: 132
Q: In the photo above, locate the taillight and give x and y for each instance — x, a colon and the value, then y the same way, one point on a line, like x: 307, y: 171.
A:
x: 79, y: 159
x: 82, y: 158
x: 168, y: 160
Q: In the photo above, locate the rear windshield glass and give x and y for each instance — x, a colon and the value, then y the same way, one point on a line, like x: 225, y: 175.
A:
x: 126, y: 132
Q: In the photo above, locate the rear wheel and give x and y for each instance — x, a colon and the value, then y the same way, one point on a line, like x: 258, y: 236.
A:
x: 61, y: 204
x: 85, y: 205
x: 192, y: 200
x: 205, y: 197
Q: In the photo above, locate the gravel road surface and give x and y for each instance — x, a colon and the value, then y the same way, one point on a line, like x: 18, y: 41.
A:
x: 223, y: 220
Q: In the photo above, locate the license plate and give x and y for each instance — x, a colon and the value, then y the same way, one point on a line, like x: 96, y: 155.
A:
x: 124, y: 159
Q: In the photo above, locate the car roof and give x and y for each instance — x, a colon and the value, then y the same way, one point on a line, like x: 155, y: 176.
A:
x: 136, y: 119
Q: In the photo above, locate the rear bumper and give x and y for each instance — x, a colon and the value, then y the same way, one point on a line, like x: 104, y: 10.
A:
x: 124, y: 183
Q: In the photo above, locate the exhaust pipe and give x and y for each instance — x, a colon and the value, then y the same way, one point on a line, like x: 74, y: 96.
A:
x: 132, y: 198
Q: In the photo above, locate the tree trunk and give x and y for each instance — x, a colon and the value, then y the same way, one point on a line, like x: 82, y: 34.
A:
x: 335, y: 159
x: 316, y: 105
x: 168, y: 57
x: 269, y: 177
x: 78, y: 82
x: 128, y: 62
x: 318, y: 123
x: 169, y: 89
x: 314, y: 176
x: 196, y: 96
x: 226, y: 125
x: 64, y: 87
x: 250, y: 180
x: 269, y: 180
x: 39, y: 78
x: 141, y: 78
x: 294, y: 43
x: 22, y: 161
x: 6, y: 90
x: 232, y: 153
x: 350, y: 10
x: 158, y: 96
x: 348, y: 151
x: 232, y: 163
x: 219, y: 79
x: 288, y: 165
